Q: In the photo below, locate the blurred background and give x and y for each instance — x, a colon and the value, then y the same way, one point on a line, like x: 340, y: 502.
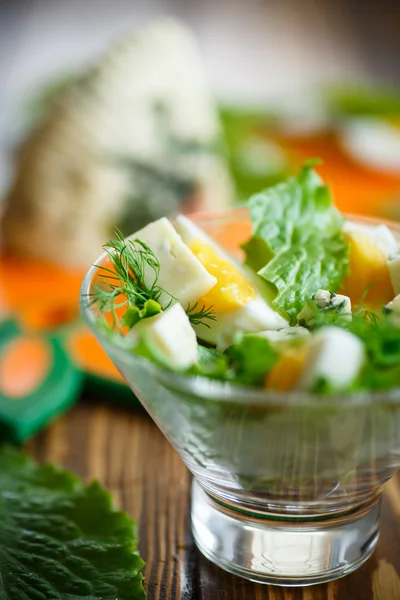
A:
x: 115, y: 112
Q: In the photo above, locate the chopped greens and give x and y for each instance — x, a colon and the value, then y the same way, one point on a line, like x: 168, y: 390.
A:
x: 211, y: 363
x: 247, y: 361
x: 251, y: 357
x: 381, y: 337
x: 60, y: 539
x: 125, y: 276
x: 133, y: 314
x: 197, y: 315
x: 122, y: 285
x: 297, y: 244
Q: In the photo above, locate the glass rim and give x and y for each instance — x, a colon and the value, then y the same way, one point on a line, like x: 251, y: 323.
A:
x: 225, y: 391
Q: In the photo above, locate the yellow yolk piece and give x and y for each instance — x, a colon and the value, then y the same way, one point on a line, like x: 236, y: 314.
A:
x: 232, y: 290
x: 285, y: 374
x: 368, y: 264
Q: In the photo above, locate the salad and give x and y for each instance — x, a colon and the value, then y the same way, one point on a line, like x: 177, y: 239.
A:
x: 314, y: 307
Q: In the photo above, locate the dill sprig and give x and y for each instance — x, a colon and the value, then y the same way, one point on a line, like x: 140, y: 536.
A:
x: 363, y: 312
x: 197, y: 317
x: 124, y: 284
x: 132, y: 281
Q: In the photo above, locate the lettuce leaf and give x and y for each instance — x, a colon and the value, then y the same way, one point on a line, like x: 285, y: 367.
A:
x: 251, y: 358
x: 60, y: 539
x: 246, y: 362
x: 381, y: 336
x: 212, y: 363
x: 297, y: 244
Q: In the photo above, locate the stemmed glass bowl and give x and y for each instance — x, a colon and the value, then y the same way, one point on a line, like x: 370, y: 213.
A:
x: 286, y: 486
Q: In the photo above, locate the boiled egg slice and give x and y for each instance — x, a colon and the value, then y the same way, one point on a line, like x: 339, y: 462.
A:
x: 181, y: 276
x: 370, y: 249
x: 236, y: 299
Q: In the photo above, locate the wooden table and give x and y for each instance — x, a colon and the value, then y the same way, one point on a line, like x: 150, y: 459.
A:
x: 126, y: 452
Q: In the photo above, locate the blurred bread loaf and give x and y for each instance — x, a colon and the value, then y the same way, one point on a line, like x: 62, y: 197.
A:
x: 136, y: 137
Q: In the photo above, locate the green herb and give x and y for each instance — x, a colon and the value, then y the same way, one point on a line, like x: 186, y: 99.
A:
x: 61, y: 540
x: 211, y: 364
x: 197, y: 315
x: 133, y: 314
x: 125, y: 284
x: 297, y: 245
x: 251, y: 358
x: 133, y: 283
x: 381, y: 337
x: 246, y: 362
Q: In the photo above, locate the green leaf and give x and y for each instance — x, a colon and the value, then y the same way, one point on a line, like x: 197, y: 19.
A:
x: 133, y: 315
x: 211, y: 364
x: 297, y: 244
x: 61, y: 540
x: 251, y: 357
x: 246, y: 362
x: 382, y: 341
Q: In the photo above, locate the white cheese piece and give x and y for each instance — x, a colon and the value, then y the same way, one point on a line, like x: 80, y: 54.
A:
x: 394, y: 305
x: 290, y: 336
x: 181, y: 273
x: 394, y: 270
x: 342, y: 305
x: 335, y: 356
x: 255, y: 316
x: 323, y: 298
x: 380, y: 233
x: 169, y: 337
x: 326, y: 301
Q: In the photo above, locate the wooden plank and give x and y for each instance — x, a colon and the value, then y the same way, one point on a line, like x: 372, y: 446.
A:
x: 127, y: 453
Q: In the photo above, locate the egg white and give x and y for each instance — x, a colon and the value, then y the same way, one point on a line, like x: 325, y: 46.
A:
x: 257, y: 315
x: 381, y: 235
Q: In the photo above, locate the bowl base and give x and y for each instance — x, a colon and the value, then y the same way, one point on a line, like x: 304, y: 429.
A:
x: 280, y: 550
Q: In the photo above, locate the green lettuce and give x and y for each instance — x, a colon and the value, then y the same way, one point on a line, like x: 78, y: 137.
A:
x: 211, y: 363
x: 381, y: 336
x: 297, y: 245
x: 251, y: 358
x: 60, y: 539
x: 246, y: 362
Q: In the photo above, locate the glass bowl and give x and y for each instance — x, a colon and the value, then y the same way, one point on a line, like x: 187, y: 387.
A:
x: 287, y: 486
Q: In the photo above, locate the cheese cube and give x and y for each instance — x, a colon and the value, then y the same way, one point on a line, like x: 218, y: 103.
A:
x: 255, y: 316
x: 181, y: 274
x: 334, y: 356
x: 290, y: 337
x: 167, y: 337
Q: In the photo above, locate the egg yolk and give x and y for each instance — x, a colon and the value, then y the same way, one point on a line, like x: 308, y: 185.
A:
x: 286, y: 373
x: 368, y: 265
x: 232, y: 290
